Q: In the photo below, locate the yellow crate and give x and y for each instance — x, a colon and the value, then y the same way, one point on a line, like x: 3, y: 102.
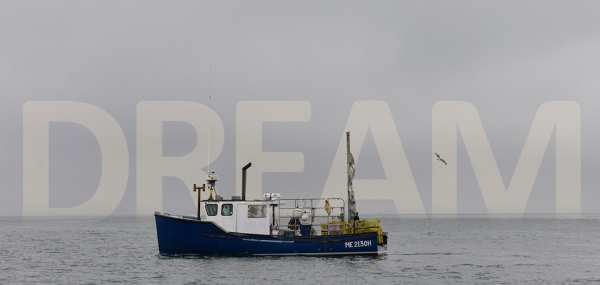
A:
x: 369, y: 226
x: 342, y: 229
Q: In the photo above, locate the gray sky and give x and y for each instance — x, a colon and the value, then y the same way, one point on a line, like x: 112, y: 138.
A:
x: 505, y: 57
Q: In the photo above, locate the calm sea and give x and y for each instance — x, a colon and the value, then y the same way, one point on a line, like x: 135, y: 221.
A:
x: 421, y: 250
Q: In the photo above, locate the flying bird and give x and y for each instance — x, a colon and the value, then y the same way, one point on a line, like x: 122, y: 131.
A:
x: 440, y: 159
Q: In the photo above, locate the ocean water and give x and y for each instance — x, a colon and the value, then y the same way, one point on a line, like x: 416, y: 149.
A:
x: 421, y: 250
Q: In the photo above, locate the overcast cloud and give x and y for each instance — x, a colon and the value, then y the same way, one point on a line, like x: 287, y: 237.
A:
x: 504, y: 57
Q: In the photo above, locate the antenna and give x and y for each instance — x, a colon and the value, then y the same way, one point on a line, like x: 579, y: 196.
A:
x: 210, y: 105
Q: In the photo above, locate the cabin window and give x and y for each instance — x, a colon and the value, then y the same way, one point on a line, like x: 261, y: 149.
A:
x: 211, y: 209
x: 227, y: 210
x: 257, y: 211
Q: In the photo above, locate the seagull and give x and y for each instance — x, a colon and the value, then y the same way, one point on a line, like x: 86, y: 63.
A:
x: 440, y: 159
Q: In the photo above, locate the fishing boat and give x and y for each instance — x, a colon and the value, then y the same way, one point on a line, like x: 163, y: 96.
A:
x: 270, y: 225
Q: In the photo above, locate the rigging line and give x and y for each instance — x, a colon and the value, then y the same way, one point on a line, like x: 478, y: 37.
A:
x: 212, y: 137
x: 210, y: 105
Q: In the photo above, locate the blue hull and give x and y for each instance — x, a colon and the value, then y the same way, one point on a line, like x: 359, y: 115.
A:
x: 189, y: 236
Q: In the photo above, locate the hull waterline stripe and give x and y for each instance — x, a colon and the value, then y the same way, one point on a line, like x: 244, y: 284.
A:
x: 272, y: 241
x: 323, y: 253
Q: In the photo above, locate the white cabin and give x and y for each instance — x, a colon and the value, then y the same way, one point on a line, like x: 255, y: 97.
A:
x: 253, y: 217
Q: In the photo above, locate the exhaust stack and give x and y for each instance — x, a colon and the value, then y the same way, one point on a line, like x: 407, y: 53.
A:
x: 244, y: 180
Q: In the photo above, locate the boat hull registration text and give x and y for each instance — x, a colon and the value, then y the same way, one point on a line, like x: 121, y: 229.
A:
x: 358, y: 243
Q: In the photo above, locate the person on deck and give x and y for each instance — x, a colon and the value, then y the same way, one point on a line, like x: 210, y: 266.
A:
x: 293, y: 224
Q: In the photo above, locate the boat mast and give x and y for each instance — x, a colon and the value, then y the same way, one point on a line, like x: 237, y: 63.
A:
x: 351, y: 200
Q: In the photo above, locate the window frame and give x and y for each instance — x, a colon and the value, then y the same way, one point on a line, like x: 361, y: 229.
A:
x: 230, y: 210
x: 214, y: 209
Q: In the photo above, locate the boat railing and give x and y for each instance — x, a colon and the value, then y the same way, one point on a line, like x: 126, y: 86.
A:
x: 319, y: 213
